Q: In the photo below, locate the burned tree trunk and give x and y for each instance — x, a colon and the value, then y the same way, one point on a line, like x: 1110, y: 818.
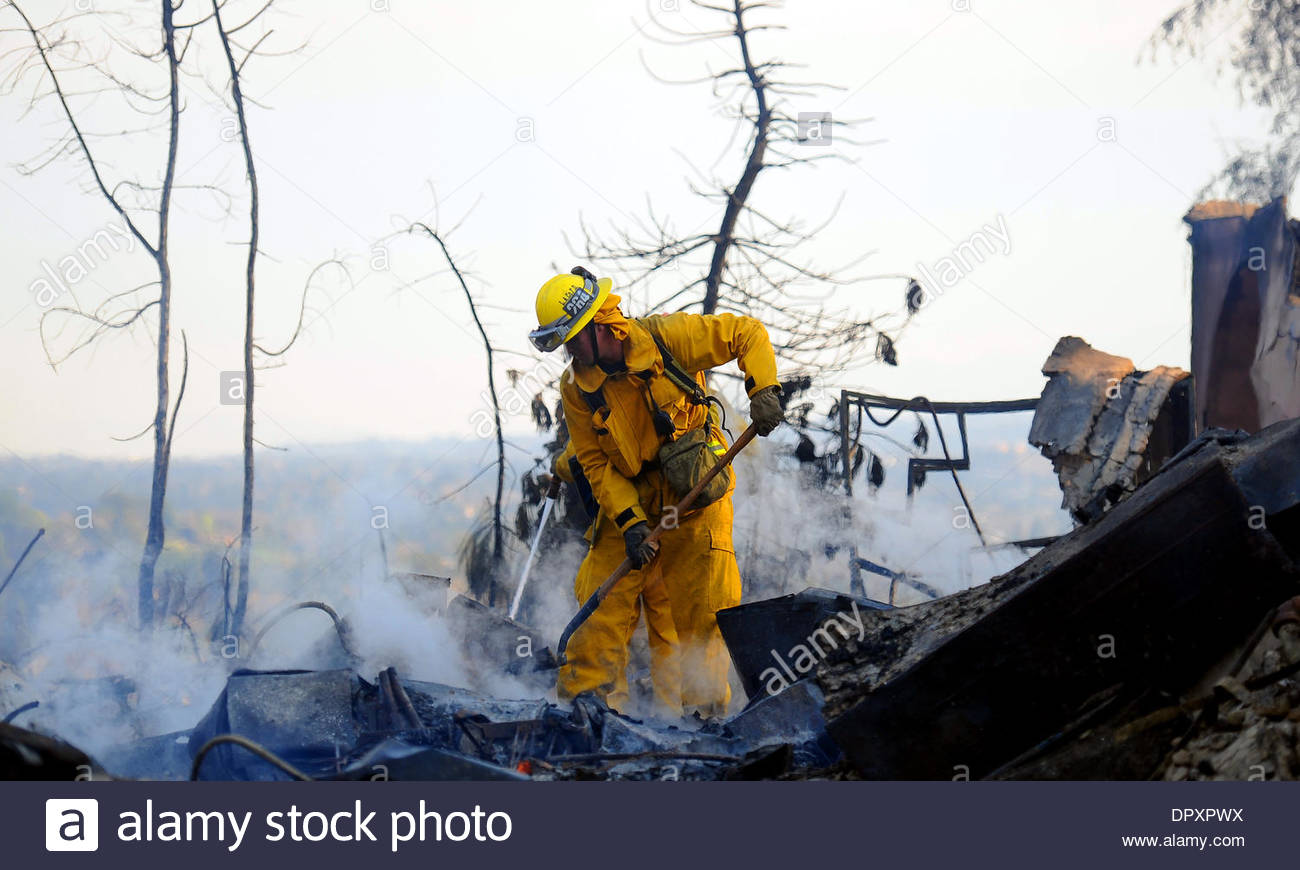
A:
x: 749, y: 262
x: 45, y: 53
x: 161, y: 431
x: 739, y: 195
x: 246, y: 509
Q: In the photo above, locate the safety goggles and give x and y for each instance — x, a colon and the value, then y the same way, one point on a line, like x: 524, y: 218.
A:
x: 550, y: 336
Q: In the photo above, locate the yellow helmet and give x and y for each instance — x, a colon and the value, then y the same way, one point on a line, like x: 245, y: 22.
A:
x: 566, y: 304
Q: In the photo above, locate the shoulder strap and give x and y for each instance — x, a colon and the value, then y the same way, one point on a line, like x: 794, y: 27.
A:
x: 673, y: 369
x: 583, y: 486
x: 595, y: 399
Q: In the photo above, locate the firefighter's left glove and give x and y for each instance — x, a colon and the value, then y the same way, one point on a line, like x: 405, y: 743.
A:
x: 765, y: 410
x: 640, y: 552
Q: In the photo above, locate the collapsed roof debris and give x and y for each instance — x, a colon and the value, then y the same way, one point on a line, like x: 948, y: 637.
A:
x: 1105, y: 426
x: 1116, y: 618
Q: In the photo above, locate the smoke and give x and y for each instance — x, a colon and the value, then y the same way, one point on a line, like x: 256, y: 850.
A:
x: 68, y: 632
x: 394, y: 628
x: 794, y: 530
x: 102, y: 683
x: 549, y: 601
x: 98, y: 679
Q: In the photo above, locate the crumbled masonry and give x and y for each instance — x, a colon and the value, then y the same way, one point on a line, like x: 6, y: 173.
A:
x: 1105, y: 426
x: 1252, y: 734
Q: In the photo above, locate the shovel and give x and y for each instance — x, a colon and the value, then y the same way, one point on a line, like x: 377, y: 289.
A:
x: 552, y: 493
x: 625, y: 568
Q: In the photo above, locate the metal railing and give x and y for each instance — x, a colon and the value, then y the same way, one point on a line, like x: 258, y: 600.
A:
x: 917, y: 467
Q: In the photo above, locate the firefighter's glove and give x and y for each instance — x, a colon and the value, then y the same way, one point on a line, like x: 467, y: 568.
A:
x: 640, y: 552
x: 765, y: 410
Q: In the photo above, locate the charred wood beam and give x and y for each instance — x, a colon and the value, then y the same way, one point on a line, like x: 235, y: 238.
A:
x: 1151, y: 595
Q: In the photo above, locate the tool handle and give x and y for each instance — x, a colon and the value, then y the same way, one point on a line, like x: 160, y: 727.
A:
x: 625, y: 567
x: 581, y: 616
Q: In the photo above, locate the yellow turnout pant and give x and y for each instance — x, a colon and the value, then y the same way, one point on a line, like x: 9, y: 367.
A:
x: 694, y: 576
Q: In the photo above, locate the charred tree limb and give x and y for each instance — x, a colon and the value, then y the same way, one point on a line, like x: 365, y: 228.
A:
x: 18, y: 564
x: 498, y: 544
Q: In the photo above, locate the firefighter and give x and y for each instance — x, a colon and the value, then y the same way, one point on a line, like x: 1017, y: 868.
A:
x: 643, y: 428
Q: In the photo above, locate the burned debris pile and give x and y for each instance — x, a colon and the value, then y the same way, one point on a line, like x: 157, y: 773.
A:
x: 336, y: 724
x: 1246, y: 727
x: 270, y: 725
x: 1084, y: 658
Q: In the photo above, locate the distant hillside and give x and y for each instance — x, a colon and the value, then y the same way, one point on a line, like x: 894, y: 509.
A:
x: 318, y: 515
x: 319, y: 511
x: 303, y: 496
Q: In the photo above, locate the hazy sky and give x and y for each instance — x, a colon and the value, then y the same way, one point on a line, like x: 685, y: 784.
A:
x: 1035, y: 119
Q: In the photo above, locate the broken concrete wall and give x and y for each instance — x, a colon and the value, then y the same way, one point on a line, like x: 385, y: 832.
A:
x: 1105, y: 426
x: 1245, y: 314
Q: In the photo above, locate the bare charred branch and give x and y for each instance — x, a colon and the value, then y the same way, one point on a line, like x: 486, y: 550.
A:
x: 752, y: 265
x: 498, y: 543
